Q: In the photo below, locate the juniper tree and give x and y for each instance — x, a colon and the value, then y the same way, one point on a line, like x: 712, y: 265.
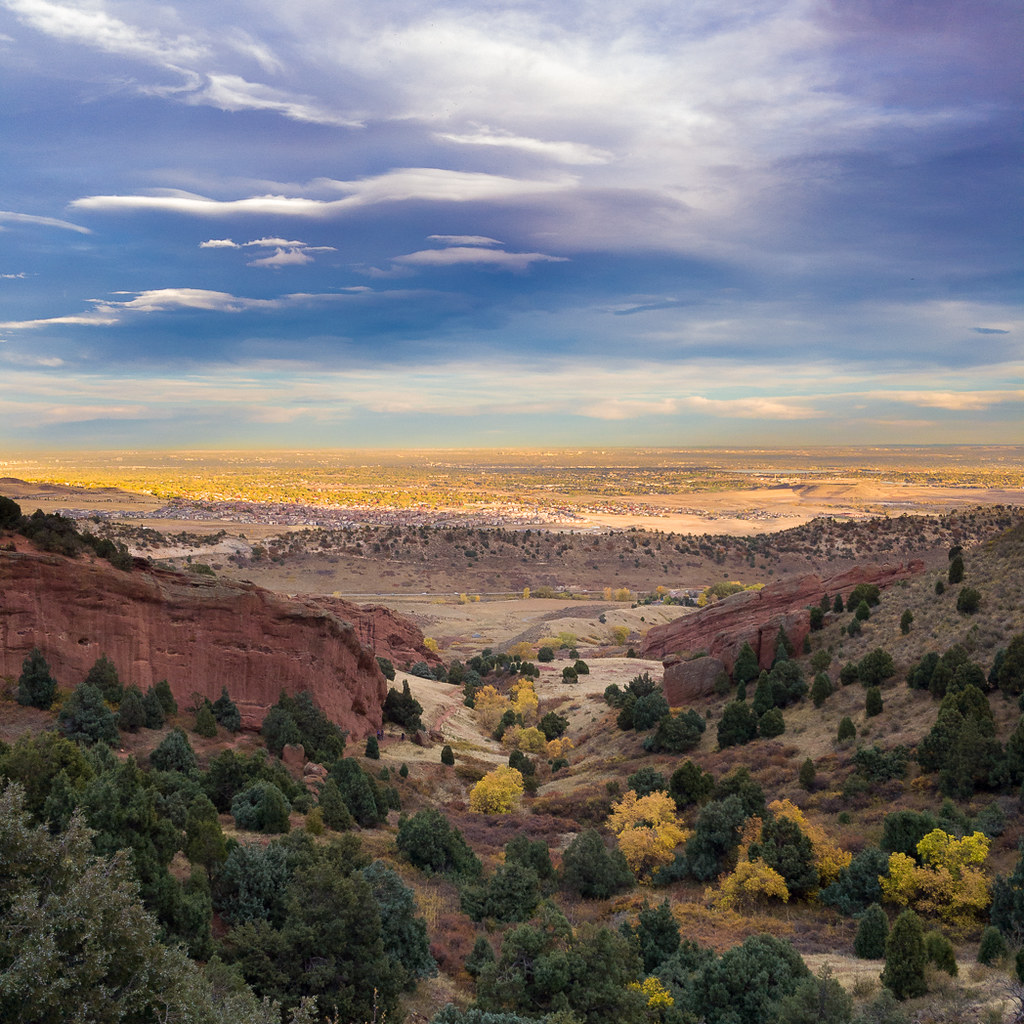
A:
x: 36, y: 686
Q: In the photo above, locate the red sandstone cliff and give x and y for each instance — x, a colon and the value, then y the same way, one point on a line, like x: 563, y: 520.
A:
x: 198, y: 633
x: 754, y: 616
x: 388, y: 634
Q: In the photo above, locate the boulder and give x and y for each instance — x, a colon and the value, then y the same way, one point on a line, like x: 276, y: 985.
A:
x: 687, y: 681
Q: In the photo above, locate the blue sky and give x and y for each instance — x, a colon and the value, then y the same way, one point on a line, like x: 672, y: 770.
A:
x: 428, y: 224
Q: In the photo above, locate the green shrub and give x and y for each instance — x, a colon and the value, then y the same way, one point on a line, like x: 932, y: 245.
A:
x: 447, y: 755
x: 174, y: 754
x: 992, y: 948
x: 546, y: 654
x: 261, y: 808
x: 906, y: 620
x: 968, y: 600
x: 226, y: 713
x: 847, y: 730
x: 940, y: 952
x: 103, y: 675
x: 956, y: 569
x: 372, y: 748
x: 807, y: 775
x: 821, y: 689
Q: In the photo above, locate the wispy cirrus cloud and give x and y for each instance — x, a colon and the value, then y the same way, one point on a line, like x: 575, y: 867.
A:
x: 463, y: 254
x: 578, y: 153
x: 47, y: 222
x: 420, y: 184
x: 107, y: 312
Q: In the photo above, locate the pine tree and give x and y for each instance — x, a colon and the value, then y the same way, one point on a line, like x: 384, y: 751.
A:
x: 103, y: 675
x: 226, y: 712
x: 85, y: 717
x: 905, y: 958
x: 847, y: 730
x: 372, y: 748
x: 447, y: 755
x: 872, y: 932
x: 36, y: 687
x: 153, y: 709
x: 206, y: 724
x: 131, y: 716
x: 807, y: 775
x: 333, y: 808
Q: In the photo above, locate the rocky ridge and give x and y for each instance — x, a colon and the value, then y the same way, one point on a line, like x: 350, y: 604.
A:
x: 199, y: 633
x: 754, y: 617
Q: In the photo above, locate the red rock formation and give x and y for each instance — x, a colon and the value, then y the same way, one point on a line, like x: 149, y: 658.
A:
x: 687, y: 681
x: 754, y: 616
x: 388, y: 634
x: 198, y: 633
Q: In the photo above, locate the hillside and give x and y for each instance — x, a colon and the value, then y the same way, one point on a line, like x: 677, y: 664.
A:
x: 843, y: 803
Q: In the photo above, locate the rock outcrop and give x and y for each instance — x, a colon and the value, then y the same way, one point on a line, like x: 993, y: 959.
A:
x: 754, y: 617
x: 198, y: 633
x: 687, y: 681
x: 388, y: 634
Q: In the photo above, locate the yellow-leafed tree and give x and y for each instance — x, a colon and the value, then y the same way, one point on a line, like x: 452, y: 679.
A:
x: 648, y: 830
x: 490, y: 706
x: 658, y: 997
x: 951, y: 884
x: 525, y: 700
x: 498, y: 792
x: 750, y: 883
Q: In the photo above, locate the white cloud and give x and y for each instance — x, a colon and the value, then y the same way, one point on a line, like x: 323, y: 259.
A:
x: 475, y: 254
x: 218, y: 243
x: 47, y: 222
x: 283, y: 258
x: 423, y: 184
x: 463, y: 239
x: 231, y: 92
x: 91, y: 25
x: 561, y: 152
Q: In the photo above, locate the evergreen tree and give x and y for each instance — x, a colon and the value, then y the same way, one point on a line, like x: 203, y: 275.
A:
x: 807, y: 775
x: 372, y: 748
x: 847, y: 730
x: 690, y: 784
x: 204, y: 841
x: 956, y: 569
x: 745, y: 669
x: 906, y: 620
x: 817, y: 1000
x: 872, y: 932
x: 481, y: 955
x: 131, y: 716
x: 85, y: 717
x: 153, y: 710
x: 262, y: 807
x: 174, y: 754
x: 103, y: 675
x: 787, y: 849
x: 206, y: 724
x: 226, y: 713
x: 332, y: 805
x: 36, y: 687
x: 163, y: 694
x: 992, y: 948
x: 905, y: 958
x: 940, y: 953
x: 873, y: 702
x: 738, y: 725
x: 837, y: 605
x: 447, y: 755
x: 821, y: 689
x: 403, y: 933
x: 771, y: 724
x: 591, y: 869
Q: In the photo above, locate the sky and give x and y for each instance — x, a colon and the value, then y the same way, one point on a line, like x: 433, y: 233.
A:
x: 331, y: 224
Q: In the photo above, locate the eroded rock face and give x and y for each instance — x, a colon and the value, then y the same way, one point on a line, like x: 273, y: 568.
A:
x: 388, y: 634
x: 687, y: 681
x: 754, y: 617
x: 197, y: 633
